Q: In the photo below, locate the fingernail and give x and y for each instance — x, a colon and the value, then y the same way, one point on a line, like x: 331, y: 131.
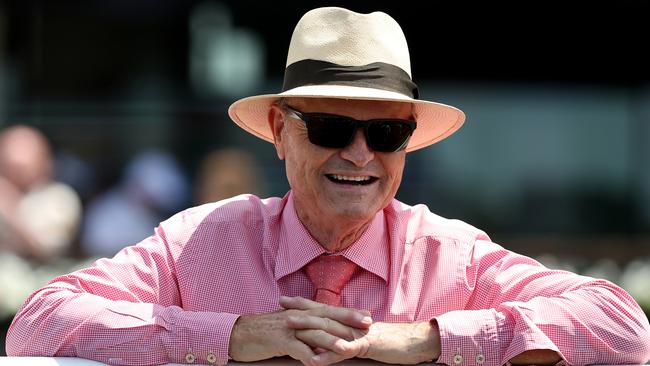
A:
x: 316, y: 359
x: 364, y: 319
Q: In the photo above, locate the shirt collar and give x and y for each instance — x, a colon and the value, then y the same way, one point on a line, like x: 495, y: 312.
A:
x: 297, y: 247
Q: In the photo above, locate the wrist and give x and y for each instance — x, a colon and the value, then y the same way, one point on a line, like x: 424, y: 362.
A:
x: 245, y: 345
x: 235, y: 340
x: 431, y: 334
x: 402, y: 343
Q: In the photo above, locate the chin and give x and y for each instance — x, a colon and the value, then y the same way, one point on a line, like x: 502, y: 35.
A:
x: 359, y: 213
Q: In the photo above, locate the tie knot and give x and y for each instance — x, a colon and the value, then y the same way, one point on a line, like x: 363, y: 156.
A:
x: 329, y: 274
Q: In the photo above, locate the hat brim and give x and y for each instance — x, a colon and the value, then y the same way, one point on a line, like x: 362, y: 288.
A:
x: 436, y: 121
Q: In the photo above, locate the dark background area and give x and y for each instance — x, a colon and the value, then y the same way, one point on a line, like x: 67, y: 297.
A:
x: 68, y: 48
x: 73, y: 61
x: 100, y: 77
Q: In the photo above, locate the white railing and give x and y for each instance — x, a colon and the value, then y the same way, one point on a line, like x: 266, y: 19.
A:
x: 69, y: 361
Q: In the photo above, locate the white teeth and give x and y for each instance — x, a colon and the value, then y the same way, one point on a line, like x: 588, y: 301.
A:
x: 352, y: 179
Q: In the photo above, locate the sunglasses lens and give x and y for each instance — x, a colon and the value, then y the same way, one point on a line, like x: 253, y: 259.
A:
x: 330, y: 131
x: 388, y: 136
x: 333, y: 131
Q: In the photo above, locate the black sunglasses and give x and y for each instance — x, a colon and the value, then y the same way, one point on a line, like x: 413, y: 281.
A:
x: 334, y: 131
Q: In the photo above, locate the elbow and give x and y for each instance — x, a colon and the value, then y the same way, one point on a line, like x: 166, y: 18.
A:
x: 22, y: 340
x: 631, y: 328
x: 634, y: 346
x: 27, y: 335
x: 644, y: 347
x: 17, y: 342
x: 637, y: 341
x: 637, y: 351
x: 623, y: 327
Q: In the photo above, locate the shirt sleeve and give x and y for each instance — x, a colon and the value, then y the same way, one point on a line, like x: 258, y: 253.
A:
x: 126, y: 310
x: 517, y: 304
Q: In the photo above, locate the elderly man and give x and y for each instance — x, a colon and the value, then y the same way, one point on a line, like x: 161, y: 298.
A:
x: 337, y: 268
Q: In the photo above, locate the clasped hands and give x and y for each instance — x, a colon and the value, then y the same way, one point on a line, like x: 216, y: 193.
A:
x: 319, y: 335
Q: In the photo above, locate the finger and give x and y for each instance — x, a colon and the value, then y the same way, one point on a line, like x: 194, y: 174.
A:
x: 354, y: 318
x: 325, y: 324
x: 299, y: 303
x: 350, y: 317
x: 299, y: 351
x: 326, y: 358
x: 359, y: 348
x: 321, y: 339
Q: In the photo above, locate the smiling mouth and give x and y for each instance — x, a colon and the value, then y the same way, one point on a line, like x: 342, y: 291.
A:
x: 344, y: 179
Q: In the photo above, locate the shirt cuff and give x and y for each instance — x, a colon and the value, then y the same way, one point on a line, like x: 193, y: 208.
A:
x: 197, y: 337
x: 471, y: 337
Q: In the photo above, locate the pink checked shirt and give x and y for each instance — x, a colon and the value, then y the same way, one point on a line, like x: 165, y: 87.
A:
x: 175, y: 296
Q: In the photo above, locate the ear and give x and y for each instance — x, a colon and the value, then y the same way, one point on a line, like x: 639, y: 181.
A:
x: 276, y: 122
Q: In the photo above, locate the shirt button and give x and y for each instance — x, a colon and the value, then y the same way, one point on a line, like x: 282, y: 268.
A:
x: 458, y: 359
x: 212, y: 358
x: 189, y: 357
x: 480, y: 359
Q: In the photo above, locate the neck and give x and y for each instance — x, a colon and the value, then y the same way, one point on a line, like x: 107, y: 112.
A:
x: 333, y: 235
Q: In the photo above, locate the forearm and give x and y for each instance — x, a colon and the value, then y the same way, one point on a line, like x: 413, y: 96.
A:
x: 62, y: 323
x: 591, y: 324
x: 516, y: 305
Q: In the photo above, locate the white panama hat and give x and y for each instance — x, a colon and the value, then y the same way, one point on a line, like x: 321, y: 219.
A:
x: 337, y: 53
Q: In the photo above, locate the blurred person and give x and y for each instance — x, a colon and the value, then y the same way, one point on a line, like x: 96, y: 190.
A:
x: 76, y: 172
x: 337, y: 268
x: 152, y: 186
x: 39, y: 217
x: 226, y: 173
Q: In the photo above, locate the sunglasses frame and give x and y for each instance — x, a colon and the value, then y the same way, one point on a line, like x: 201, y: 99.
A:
x: 365, y: 125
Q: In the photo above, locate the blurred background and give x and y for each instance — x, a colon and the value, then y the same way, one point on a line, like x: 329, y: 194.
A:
x: 113, y: 116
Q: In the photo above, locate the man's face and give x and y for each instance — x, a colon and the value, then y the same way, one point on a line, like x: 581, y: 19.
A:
x: 351, y: 183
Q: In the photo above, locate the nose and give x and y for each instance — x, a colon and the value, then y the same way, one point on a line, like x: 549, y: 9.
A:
x: 358, y: 151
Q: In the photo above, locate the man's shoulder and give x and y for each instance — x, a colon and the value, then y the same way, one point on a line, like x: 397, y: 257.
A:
x: 419, y: 222
x: 246, y: 209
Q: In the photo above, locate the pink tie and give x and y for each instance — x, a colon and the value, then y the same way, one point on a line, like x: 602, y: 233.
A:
x: 329, y: 274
